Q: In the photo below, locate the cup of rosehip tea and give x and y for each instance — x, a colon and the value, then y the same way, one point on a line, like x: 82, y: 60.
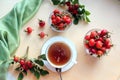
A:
x: 58, y: 54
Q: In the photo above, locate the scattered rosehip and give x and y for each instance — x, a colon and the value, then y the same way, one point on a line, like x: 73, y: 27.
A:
x: 41, y: 23
x: 22, y: 61
x: 42, y: 34
x: 98, y: 42
x: 29, y: 30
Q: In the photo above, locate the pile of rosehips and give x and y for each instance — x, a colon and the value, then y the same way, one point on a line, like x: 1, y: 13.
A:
x: 24, y: 64
x: 73, y: 8
x: 98, y: 42
x: 60, y: 20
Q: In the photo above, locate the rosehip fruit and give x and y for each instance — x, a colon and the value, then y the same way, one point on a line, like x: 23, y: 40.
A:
x: 99, y: 44
x: 107, y: 41
x: 56, y: 11
x: 29, y: 64
x: 22, y: 62
x: 103, y: 49
x: 87, y: 37
x: 99, y: 52
x: 41, y: 23
x: 29, y: 30
x: 16, y: 59
x: 93, y: 34
x: 91, y: 42
x: 76, y: 6
x: 93, y: 50
x: 42, y: 34
x: 68, y: 3
x: 103, y: 32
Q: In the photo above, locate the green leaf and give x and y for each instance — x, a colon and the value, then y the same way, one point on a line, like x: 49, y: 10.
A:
x: 20, y: 77
x: 32, y: 70
x: 39, y: 62
x: 25, y: 72
x: 43, y: 72
x: 76, y: 20
x: 87, y: 19
x: 55, y: 2
x: 87, y: 13
x: 37, y: 74
x: 18, y: 69
x: 43, y: 57
x: 76, y: 2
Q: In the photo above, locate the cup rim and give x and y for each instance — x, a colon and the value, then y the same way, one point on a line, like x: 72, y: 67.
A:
x: 59, y: 66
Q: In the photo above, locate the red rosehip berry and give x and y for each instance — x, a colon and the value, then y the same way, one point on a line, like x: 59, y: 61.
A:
x: 87, y: 37
x: 99, y: 44
x: 41, y: 23
x: 29, y: 64
x: 53, y: 17
x: 29, y: 30
x: 68, y: 3
x: 91, y: 42
x: 22, y: 62
x: 76, y: 6
x: 42, y: 34
x: 100, y: 53
x: 16, y: 59
x: 103, y: 32
x: 75, y: 12
x: 93, y: 34
x: 93, y: 50
x: 25, y: 67
x: 107, y: 41
x: 103, y: 49
x: 56, y: 11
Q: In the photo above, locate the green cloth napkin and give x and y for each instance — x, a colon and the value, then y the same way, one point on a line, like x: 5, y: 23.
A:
x: 9, y: 30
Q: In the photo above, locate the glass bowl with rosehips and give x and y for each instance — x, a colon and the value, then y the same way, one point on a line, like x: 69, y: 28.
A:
x: 60, y: 20
x: 97, y: 42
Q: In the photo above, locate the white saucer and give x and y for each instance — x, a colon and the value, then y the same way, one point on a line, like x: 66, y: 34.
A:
x: 69, y: 43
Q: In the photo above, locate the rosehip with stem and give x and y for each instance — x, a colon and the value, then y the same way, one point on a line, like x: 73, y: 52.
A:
x: 99, y: 52
x: 16, y: 59
x: 91, y: 42
x: 29, y: 64
x: 42, y: 34
x: 29, y: 30
x: 99, y: 44
x: 103, y: 32
x: 41, y: 23
x: 68, y: 3
x: 22, y: 62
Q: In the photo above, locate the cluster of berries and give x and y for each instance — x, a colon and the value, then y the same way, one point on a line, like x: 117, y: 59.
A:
x: 41, y: 25
x: 98, y: 42
x: 73, y: 8
x: 60, y: 20
x: 24, y: 64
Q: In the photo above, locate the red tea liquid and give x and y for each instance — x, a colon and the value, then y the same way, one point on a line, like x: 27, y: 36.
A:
x: 59, y: 53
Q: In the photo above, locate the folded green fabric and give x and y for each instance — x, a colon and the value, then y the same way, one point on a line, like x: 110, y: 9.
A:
x: 9, y: 30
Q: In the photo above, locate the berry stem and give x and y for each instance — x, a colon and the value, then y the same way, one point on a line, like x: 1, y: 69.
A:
x: 26, y: 55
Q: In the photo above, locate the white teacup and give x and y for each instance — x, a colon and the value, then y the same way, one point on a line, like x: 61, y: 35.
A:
x: 62, y: 55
